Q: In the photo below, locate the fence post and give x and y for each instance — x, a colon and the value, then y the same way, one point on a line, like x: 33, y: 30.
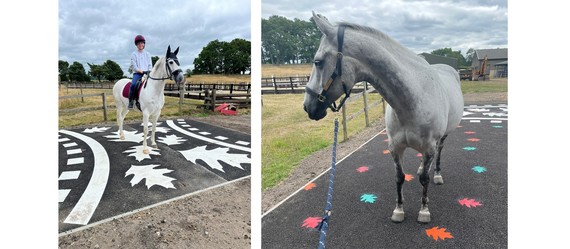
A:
x: 364, y: 94
x: 213, y: 100
x: 181, y: 93
x: 291, y: 81
x: 81, y: 90
x: 104, y: 106
x: 344, y: 129
x: 274, y: 83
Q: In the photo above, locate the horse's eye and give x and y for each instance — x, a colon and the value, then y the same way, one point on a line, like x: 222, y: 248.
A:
x: 170, y: 62
x: 318, y: 63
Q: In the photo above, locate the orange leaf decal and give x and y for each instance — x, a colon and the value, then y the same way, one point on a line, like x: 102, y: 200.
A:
x: 386, y: 152
x: 310, y: 186
x: 473, y: 139
x: 469, y: 202
x: 438, y: 233
x: 408, y: 177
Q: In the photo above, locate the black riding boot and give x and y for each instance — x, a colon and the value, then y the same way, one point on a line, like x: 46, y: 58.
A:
x: 131, y: 99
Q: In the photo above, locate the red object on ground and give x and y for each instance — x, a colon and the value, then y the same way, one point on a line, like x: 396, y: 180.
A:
x: 227, y: 109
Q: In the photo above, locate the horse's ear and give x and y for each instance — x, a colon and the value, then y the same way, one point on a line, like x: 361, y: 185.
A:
x: 168, y: 51
x: 176, y: 51
x: 323, y: 24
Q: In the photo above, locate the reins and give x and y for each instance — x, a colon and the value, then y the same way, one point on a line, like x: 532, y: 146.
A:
x: 323, y: 227
x: 337, y: 73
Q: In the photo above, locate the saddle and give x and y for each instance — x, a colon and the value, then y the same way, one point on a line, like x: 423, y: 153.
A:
x: 137, y: 93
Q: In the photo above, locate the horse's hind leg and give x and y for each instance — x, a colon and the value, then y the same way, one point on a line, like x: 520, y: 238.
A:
x: 424, y: 215
x: 437, y: 178
x: 397, y: 155
x: 121, y: 114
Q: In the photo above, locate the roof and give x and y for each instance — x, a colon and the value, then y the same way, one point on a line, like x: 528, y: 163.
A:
x: 437, y: 59
x: 492, y: 54
x: 502, y: 63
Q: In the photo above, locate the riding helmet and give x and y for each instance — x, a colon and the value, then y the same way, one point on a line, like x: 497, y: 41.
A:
x: 139, y: 38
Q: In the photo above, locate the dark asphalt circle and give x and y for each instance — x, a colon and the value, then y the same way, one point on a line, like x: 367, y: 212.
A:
x: 473, y: 170
x: 133, y: 182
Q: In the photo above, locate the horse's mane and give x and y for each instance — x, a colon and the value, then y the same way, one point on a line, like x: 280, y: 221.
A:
x: 388, y: 42
x: 158, y: 64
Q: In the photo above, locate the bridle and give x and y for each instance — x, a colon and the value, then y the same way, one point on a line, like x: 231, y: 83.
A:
x: 169, y: 71
x: 322, y: 97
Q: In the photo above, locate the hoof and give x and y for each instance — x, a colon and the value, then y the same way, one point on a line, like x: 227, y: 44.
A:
x: 122, y: 137
x: 424, y: 216
x: 154, y: 146
x: 145, y: 151
x: 437, y: 179
x: 397, y: 215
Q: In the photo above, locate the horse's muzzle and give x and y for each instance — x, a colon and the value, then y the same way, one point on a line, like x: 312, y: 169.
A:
x: 315, y: 113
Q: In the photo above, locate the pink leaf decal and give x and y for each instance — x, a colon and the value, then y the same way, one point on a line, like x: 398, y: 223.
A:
x: 312, y: 222
x: 362, y: 169
x: 408, y: 177
x: 469, y: 202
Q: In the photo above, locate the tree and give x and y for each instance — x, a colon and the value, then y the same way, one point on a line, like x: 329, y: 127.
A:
x: 210, y: 59
x: 113, y: 70
x: 97, y: 71
x: 77, y: 72
x: 469, y: 57
x: 63, y: 68
x: 237, y: 56
x: 288, y: 41
x: 188, y: 73
x: 154, y: 59
x: 448, y: 52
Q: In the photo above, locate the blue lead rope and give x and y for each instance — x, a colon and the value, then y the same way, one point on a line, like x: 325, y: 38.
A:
x: 323, y: 227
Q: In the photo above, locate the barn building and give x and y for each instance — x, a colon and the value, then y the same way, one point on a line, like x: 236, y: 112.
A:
x: 496, y: 65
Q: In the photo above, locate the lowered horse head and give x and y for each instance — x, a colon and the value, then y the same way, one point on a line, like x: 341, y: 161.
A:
x: 332, y: 74
x: 173, y: 69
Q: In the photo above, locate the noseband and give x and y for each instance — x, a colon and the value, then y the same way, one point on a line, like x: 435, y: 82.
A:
x: 169, y: 71
x: 322, y: 97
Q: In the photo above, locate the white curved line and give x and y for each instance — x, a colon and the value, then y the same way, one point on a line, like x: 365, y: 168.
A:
x: 187, y: 133
x: 85, y: 207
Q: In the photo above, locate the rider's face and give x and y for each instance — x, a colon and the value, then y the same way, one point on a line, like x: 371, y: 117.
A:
x: 140, y: 45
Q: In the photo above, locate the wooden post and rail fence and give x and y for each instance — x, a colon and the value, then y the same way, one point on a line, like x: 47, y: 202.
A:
x: 217, y: 94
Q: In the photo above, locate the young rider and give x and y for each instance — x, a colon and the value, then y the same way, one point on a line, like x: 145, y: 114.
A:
x: 140, y: 62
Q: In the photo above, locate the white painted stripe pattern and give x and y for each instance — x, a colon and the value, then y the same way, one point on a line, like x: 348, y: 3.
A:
x: 190, y: 134
x: 185, y: 125
x: 496, y: 121
x: 67, y: 145
x: 63, y: 194
x: 85, y: 207
x: 63, y: 139
x: 69, y: 175
x: 205, y: 133
x: 77, y: 160
x: 221, y: 138
x: 475, y: 121
x: 193, y: 129
x: 242, y: 142
x: 74, y: 151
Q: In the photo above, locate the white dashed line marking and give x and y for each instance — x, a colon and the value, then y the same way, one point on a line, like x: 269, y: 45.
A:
x: 69, y: 175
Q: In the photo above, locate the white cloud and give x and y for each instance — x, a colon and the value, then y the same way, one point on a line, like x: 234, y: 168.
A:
x: 96, y: 31
x: 422, y: 26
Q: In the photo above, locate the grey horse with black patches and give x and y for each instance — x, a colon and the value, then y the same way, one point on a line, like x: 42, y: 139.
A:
x: 425, y: 101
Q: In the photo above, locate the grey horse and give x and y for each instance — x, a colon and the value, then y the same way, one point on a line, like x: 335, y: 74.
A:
x: 425, y: 101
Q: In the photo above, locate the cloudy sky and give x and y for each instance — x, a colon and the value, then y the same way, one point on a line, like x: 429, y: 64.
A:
x: 96, y: 31
x: 422, y: 26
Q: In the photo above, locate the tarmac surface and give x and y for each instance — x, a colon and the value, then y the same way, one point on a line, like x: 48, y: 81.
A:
x: 468, y: 211
x: 101, y: 176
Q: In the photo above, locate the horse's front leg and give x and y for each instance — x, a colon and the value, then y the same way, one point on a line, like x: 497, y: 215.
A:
x: 145, y: 133
x: 397, y: 155
x: 424, y: 216
x: 152, y: 135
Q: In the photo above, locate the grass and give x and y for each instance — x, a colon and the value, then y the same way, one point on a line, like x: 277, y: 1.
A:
x: 288, y: 136
x: 492, y: 86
